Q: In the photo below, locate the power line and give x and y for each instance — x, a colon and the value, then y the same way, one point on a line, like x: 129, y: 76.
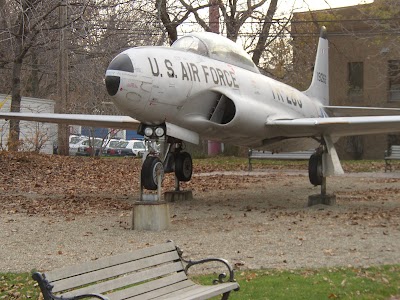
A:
x: 274, y: 21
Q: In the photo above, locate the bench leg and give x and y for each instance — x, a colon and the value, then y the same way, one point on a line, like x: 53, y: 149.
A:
x: 225, y: 296
x: 388, y: 166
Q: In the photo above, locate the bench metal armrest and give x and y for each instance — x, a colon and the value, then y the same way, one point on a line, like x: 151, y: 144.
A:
x: 88, y: 296
x: 221, y: 277
x: 46, y: 288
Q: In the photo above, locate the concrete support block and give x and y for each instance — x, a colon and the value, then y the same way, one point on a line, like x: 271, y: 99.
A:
x: 327, y: 199
x: 172, y: 196
x: 151, y: 216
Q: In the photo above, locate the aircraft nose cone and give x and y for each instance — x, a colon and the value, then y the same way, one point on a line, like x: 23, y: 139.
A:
x: 121, y: 62
x: 112, y: 84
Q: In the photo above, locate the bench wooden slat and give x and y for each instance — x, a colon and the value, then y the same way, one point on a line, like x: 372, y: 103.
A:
x: 108, y: 262
x: 145, y: 290
x: 260, y: 154
x: 165, y: 291
x: 281, y: 155
x: 177, y: 293
x: 107, y: 286
x: 117, y: 270
x: 200, y: 292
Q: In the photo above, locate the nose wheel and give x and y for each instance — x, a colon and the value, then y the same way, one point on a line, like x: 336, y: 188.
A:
x: 152, y: 168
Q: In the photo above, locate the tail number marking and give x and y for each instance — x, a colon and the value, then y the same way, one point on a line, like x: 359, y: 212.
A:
x: 321, y: 77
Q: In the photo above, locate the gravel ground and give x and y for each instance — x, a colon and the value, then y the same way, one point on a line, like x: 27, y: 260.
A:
x: 257, y: 220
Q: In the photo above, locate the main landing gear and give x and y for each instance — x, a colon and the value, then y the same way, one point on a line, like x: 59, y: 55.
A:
x: 315, y: 172
x: 317, y: 176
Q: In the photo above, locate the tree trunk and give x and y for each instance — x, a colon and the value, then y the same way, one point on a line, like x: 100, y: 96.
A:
x: 13, y: 136
x: 262, y: 39
x: 35, y: 75
x: 170, y: 27
x: 62, y: 84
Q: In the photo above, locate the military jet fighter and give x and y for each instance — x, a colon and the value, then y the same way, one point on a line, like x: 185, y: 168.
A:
x: 207, y: 86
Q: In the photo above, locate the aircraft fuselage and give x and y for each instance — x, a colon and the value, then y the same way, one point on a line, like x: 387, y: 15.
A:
x: 218, y: 100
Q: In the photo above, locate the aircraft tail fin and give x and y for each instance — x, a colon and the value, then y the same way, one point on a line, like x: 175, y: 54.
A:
x: 319, y: 87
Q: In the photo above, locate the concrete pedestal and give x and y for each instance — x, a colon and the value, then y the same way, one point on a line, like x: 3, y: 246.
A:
x: 327, y: 199
x: 173, y: 196
x: 151, y: 216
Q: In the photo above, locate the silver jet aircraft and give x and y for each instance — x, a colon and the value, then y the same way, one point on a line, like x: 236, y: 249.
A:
x: 206, y: 86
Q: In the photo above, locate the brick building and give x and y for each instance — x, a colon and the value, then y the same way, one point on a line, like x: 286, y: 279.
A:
x: 364, y: 59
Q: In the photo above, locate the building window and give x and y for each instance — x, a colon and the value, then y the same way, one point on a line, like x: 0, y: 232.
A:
x: 355, y: 146
x: 394, y: 80
x: 356, y: 80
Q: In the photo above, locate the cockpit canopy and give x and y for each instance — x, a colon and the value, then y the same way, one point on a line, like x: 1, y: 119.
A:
x: 216, y: 47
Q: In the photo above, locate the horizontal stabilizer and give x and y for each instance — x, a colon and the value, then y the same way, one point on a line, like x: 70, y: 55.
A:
x: 352, y: 111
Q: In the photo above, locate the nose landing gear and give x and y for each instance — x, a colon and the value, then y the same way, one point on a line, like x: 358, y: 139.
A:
x: 166, y: 155
x: 177, y: 161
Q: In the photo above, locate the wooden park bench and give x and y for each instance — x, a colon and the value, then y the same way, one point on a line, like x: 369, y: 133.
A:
x: 392, y: 153
x: 157, y: 272
x: 260, y: 154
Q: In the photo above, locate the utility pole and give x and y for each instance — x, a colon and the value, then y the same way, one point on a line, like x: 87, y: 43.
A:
x: 214, y: 148
x: 214, y: 16
x: 62, y: 81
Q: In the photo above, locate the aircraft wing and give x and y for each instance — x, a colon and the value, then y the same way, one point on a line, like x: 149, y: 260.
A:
x: 353, y: 111
x: 335, y: 126
x: 109, y: 121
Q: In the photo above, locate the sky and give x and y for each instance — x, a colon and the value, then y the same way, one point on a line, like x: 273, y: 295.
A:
x: 301, y: 5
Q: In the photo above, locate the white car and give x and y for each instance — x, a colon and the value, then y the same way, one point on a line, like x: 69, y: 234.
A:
x: 137, y: 147
x: 74, y: 142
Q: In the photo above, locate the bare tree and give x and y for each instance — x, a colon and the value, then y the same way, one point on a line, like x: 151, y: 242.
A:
x: 26, y: 24
x: 253, y: 22
x: 94, y: 32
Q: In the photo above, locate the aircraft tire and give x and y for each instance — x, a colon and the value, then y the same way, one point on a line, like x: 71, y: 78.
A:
x: 315, y: 169
x: 149, y: 172
x: 183, y: 166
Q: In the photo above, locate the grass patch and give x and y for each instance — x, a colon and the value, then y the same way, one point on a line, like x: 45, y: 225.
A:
x: 335, y: 283
x: 382, y: 282
x: 16, y: 286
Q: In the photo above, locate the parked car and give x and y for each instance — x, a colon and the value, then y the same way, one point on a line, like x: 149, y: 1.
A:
x: 73, y: 139
x: 86, y: 148
x: 75, y: 142
x: 111, y: 144
x: 128, y: 148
